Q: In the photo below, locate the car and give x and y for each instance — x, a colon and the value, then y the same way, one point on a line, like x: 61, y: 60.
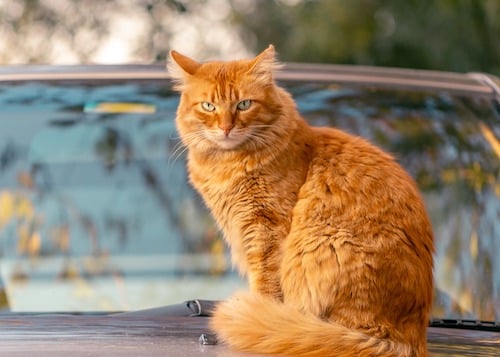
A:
x: 102, y: 238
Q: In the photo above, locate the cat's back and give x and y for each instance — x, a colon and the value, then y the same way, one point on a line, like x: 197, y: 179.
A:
x: 353, y: 164
x: 359, y: 183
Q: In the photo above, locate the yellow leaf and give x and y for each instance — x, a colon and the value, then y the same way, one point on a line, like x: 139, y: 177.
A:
x: 34, y: 245
x: 474, y: 246
x: 6, y: 207
x: 28, y: 242
x: 24, y: 208
x: 14, y: 206
x: 489, y: 135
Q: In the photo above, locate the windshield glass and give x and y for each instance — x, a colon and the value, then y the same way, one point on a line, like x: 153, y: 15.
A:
x: 96, y: 212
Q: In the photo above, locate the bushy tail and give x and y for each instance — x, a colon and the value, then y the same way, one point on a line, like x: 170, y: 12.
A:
x: 261, y: 325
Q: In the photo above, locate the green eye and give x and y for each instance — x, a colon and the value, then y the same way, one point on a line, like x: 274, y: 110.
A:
x: 244, y: 104
x: 209, y: 107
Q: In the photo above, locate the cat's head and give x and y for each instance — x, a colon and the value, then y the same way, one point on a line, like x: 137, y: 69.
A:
x: 226, y: 105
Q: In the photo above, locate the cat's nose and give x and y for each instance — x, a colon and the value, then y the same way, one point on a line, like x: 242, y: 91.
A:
x: 226, y: 128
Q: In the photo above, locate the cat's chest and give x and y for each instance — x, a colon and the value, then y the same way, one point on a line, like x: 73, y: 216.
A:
x: 229, y: 193
x: 226, y: 189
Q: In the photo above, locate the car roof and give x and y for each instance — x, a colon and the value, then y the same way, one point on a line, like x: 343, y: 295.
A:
x: 159, y: 335
x: 461, y: 83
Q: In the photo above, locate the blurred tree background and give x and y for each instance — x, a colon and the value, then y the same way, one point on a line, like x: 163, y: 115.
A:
x: 454, y: 35
x: 457, y: 35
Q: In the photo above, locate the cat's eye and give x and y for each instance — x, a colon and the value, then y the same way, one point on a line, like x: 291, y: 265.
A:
x: 244, y: 104
x: 207, y: 106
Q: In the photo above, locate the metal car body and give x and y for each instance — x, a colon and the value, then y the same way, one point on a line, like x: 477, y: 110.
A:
x: 99, y: 227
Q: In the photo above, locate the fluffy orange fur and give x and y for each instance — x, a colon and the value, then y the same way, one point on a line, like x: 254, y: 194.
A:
x: 330, y: 231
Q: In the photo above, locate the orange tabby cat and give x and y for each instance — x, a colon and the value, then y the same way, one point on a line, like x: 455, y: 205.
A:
x: 330, y: 231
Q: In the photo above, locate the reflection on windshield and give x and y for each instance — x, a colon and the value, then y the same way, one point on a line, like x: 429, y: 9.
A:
x: 88, y: 194
x: 95, y: 204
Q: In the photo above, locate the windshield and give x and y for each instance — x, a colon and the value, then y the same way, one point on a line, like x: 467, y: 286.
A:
x: 96, y: 212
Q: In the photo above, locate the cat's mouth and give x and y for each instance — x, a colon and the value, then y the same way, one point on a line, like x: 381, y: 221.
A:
x: 231, y: 141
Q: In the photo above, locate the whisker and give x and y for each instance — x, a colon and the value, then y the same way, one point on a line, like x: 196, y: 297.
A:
x: 263, y: 140
x: 180, y: 148
x: 176, y: 154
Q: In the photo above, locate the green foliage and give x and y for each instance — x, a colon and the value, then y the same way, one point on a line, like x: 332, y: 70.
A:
x: 454, y: 35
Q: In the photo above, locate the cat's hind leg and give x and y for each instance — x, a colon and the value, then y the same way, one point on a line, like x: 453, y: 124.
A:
x: 309, y: 272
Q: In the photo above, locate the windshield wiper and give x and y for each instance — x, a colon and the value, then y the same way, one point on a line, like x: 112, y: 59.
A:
x: 466, y: 324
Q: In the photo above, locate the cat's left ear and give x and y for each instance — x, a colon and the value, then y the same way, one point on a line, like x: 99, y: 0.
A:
x: 264, y: 65
x: 180, y: 68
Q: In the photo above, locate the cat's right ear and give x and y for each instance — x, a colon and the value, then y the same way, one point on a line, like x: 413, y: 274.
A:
x: 180, y: 68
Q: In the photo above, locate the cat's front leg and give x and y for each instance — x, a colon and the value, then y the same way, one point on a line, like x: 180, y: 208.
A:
x: 262, y: 282
x: 263, y: 258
